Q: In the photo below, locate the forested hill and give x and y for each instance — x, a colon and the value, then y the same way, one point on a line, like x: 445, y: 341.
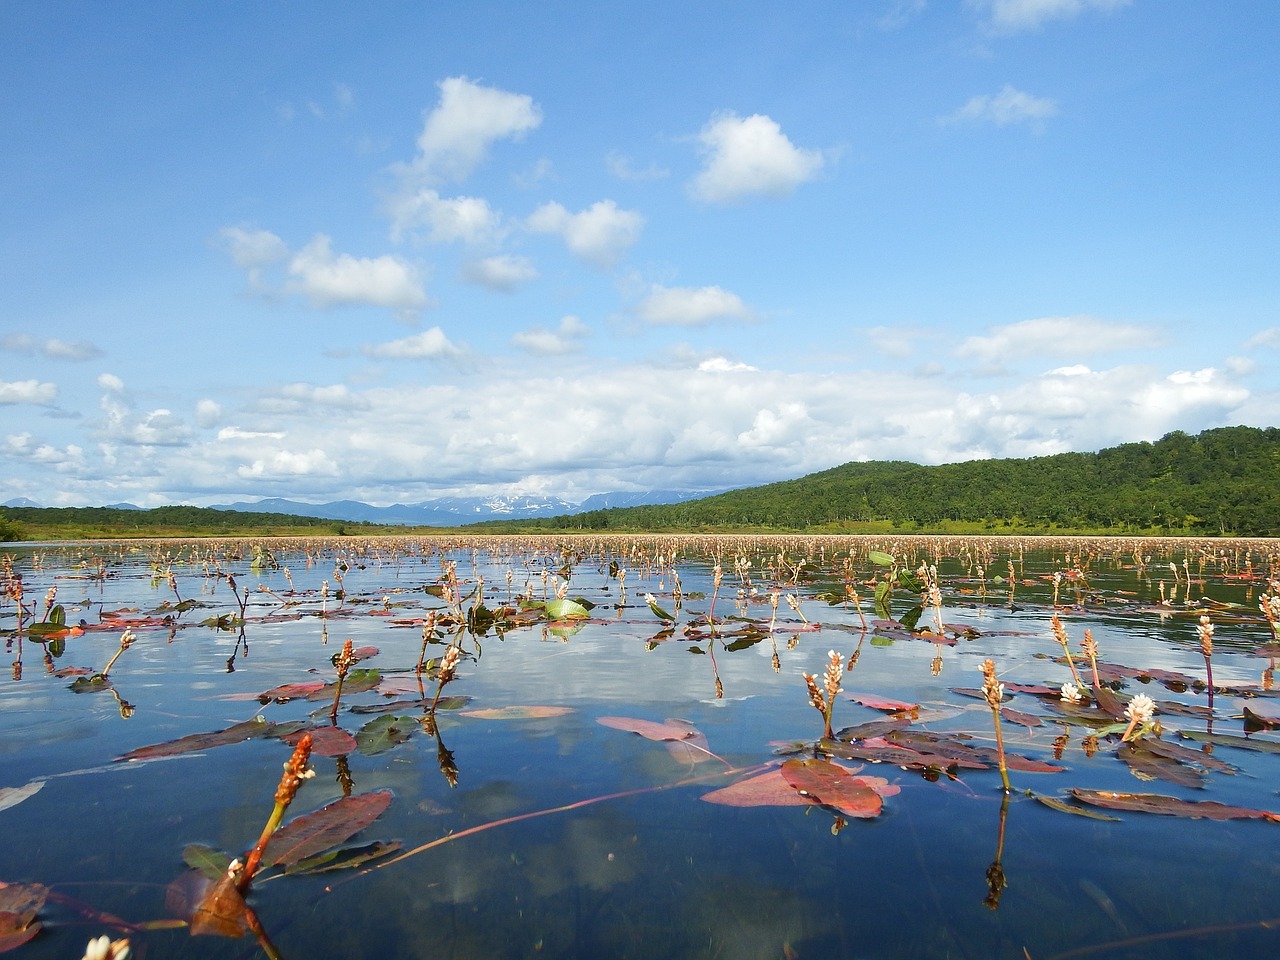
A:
x: 1220, y: 482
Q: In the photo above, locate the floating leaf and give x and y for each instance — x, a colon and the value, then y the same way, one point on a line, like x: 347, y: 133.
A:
x: 1231, y: 740
x: 767, y: 789
x: 344, y: 859
x: 357, y: 681
x: 880, y: 559
x: 12, y: 796
x: 289, y: 691
x: 1063, y: 807
x: 19, y: 905
x: 237, y: 733
x: 316, y: 832
x: 888, y: 704
x: 1146, y: 764
x: 327, y: 741
x: 205, y: 860
x: 1020, y: 718
x: 693, y: 748
x: 832, y: 786
x: 517, y: 713
x: 647, y: 728
x: 221, y: 912
x: 1169, y: 806
x: 382, y: 733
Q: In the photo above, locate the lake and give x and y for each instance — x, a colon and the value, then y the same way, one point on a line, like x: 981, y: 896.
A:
x: 628, y: 762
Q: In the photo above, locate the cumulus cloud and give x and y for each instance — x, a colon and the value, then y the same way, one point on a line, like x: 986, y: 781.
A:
x: 468, y: 220
x: 1010, y: 105
x: 598, y: 235
x: 208, y: 413
x: 466, y: 121
x: 1079, y: 336
x: 52, y: 349
x: 329, y: 279
x: 691, y: 306
x: 23, y: 446
x: 1011, y: 16
x: 750, y: 156
x: 110, y: 383
x: 286, y: 463
x: 723, y: 365
x: 427, y: 345
x: 503, y: 273
x: 251, y: 248
x: 565, y: 338
x: 27, y: 391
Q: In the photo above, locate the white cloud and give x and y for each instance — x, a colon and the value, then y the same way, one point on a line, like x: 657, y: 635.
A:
x: 691, y: 306
x: 1010, y: 16
x: 251, y: 248
x: 723, y: 365
x: 329, y: 279
x: 27, y: 391
x: 566, y: 338
x: 1264, y: 338
x: 468, y: 220
x: 110, y: 382
x: 465, y: 122
x: 236, y: 433
x: 621, y: 167
x: 285, y: 463
x: 503, y: 273
x: 1008, y: 106
x: 53, y: 349
x: 1080, y: 336
x: 208, y: 412
x: 598, y: 235
x: 429, y: 344
x: 750, y: 156
x: 23, y: 446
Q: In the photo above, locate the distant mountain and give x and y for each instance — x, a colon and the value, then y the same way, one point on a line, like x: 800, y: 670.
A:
x: 21, y: 502
x: 459, y: 511
x: 123, y: 506
x: 441, y: 512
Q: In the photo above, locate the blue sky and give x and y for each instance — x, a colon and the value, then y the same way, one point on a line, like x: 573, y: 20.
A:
x: 401, y: 250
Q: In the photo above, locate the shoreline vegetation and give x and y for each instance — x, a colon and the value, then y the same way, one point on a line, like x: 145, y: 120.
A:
x: 1222, y: 483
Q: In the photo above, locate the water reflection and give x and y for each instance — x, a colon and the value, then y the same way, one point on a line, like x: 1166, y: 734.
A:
x: 541, y: 831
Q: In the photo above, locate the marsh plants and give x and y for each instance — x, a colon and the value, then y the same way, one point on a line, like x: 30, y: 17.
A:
x: 634, y: 767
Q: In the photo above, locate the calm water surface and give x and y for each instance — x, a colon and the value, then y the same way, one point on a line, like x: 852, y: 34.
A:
x: 658, y: 872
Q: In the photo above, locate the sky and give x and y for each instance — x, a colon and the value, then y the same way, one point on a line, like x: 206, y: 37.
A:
x: 400, y: 250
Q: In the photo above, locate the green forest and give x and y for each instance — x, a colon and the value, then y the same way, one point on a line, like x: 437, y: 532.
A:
x: 1223, y: 482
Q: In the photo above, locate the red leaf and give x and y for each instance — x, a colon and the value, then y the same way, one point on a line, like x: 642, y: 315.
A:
x: 832, y: 786
x: 19, y: 904
x: 1169, y: 806
x: 325, y: 741
x: 327, y: 827
x: 765, y: 790
x: 648, y: 728
x: 517, y: 713
x: 888, y: 704
x: 203, y: 741
x: 287, y: 691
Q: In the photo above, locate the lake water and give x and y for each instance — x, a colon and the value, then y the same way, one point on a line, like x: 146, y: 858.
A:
x: 591, y: 841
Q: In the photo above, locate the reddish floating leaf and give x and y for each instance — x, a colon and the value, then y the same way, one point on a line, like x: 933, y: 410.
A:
x: 358, y: 681
x: 288, y: 691
x: 221, y: 912
x: 325, y: 741
x: 693, y: 748
x: 517, y: 713
x: 832, y: 786
x: 1169, y: 806
x: 767, y: 789
x: 648, y: 729
x: 888, y: 704
x: 204, y: 741
x: 1020, y: 718
x: 19, y: 905
x: 314, y: 833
